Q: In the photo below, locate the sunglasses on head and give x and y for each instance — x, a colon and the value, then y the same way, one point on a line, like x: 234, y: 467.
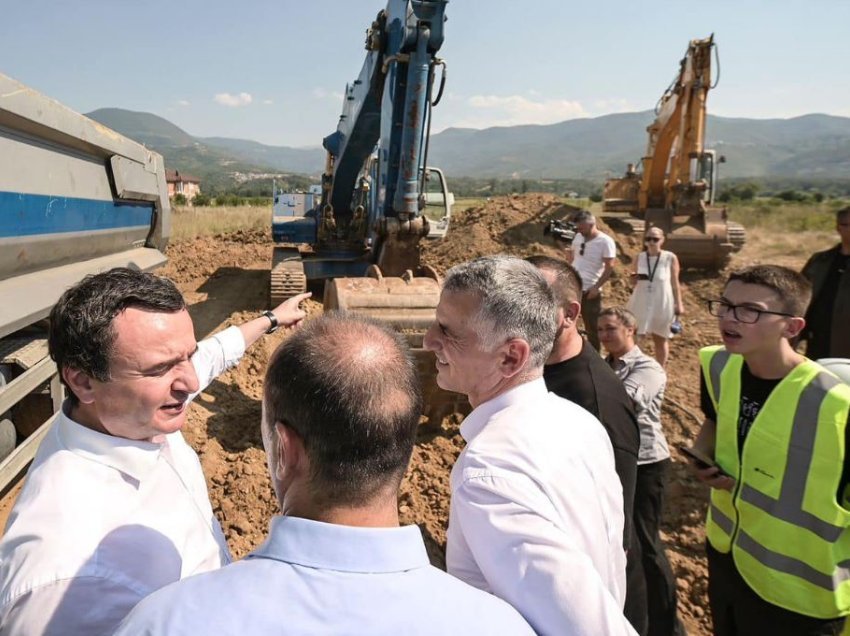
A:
x: 652, y: 239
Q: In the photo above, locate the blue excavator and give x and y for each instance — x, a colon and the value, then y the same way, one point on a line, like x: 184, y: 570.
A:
x: 360, y: 232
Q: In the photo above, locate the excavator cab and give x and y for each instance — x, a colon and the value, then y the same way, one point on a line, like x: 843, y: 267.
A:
x: 438, y: 203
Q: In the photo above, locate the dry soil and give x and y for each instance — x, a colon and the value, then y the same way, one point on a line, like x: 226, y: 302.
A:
x: 225, y: 279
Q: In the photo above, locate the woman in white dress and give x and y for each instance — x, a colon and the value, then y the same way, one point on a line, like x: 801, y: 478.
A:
x: 657, y: 297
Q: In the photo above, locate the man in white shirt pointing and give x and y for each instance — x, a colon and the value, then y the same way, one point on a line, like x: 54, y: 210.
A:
x: 536, y: 514
x: 115, y: 504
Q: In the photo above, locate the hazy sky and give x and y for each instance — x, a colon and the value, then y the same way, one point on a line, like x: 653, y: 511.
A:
x: 275, y: 70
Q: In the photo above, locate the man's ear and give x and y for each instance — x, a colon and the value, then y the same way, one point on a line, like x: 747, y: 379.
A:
x: 514, y: 356
x: 572, y: 312
x: 793, y: 327
x: 291, y: 456
x: 80, y: 384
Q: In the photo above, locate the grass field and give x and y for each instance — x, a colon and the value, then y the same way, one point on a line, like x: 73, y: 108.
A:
x: 783, y: 228
x: 190, y: 222
x: 785, y: 217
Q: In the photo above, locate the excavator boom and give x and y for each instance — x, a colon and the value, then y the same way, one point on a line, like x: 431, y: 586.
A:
x: 674, y: 189
x: 360, y: 232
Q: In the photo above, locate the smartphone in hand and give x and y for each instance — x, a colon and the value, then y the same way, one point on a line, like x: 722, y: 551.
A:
x: 700, y: 459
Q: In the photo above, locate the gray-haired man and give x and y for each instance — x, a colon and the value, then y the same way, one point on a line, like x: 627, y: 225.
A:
x: 537, y: 509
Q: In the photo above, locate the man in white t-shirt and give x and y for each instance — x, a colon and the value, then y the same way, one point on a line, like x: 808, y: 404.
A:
x: 592, y: 255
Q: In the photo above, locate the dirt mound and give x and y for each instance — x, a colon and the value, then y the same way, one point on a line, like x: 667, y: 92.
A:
x: 226, y: 281
x: 200, y: 258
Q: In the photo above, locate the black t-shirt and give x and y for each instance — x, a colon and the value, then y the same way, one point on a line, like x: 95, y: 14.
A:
x: 819, y: 316
x: 589, y: 382
x: 754, y: 393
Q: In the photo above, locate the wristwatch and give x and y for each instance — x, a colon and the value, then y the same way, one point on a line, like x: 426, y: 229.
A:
x: 273, y: 319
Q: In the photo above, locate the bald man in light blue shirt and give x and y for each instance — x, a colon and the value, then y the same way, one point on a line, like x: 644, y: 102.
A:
x: 340, y: 411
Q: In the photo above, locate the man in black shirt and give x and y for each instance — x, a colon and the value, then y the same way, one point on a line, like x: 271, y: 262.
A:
x: 576, y: 372
x: 829, y: 312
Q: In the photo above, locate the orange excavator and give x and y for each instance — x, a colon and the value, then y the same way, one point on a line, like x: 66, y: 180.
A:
x: 675, y: 187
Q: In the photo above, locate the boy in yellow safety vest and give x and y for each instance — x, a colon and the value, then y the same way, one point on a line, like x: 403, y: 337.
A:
x: 778, y: 525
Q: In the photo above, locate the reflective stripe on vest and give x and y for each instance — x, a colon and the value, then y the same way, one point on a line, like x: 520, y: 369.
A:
x: 720, y: 518
x: 715, y: 368
x: 790, y: 565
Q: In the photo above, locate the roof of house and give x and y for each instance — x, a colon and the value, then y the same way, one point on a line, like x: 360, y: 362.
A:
x: 174, y: 176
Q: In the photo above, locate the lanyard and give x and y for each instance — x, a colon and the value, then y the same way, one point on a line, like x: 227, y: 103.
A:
x: 650, y: 268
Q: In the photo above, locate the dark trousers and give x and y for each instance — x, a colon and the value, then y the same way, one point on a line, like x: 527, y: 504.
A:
x: 590, y: 309
x: 737, y: 610
x: 660, y: 581
x: 634, y: 608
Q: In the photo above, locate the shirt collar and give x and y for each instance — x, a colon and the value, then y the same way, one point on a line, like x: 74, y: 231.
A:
x: 475, y: 421
x: 331, y: 546
x: 626, y: 358
x: 134, y: 458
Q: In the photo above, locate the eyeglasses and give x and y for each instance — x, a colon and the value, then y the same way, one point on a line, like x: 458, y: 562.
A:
x: 742, y: 313
x: 652, y: 239
x: 581, y: 249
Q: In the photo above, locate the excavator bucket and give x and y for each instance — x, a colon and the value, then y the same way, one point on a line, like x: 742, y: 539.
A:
x: 408, y: 304
x: 702, y: 241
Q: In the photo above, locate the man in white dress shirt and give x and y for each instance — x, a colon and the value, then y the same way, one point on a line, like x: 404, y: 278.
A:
x: 536, y: 513
x: 115, y: 504
x: 338, y: 432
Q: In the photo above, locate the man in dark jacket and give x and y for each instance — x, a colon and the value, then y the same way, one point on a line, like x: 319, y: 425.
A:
x: 576, y: 372
x: 826, y: 329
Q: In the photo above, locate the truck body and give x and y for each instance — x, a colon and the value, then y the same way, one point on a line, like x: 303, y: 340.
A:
x: 675, y: 187
x: 75, y: 198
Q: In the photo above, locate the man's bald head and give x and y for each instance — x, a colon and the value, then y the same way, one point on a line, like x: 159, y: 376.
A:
x: 348, y: 387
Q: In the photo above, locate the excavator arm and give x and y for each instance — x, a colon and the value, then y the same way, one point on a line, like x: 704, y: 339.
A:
x: 675, y: 189
x: 387, y: 107
x: 363, y: 237
x: 677, y: 135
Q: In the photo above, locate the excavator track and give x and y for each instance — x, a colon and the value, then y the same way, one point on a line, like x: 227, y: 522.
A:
x: 623, y: 223
x: 737, y: 235
x: 287, y: 276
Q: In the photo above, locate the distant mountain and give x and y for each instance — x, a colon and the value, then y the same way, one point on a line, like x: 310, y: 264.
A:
x: 816, y: 146
x: 148, y: 129
x: 578, y: 148
x: 807, y: 146
x: 309, y: 160
x: 221, y: 164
